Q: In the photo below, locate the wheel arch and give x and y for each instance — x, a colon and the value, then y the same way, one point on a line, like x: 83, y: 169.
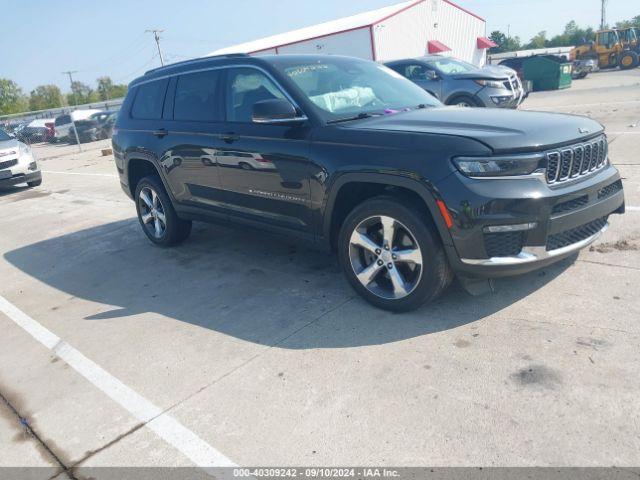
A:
x: 138, y: 166
x: 354, y: 188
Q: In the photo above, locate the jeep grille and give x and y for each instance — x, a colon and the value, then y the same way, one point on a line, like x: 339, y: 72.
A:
x: 577, y: 160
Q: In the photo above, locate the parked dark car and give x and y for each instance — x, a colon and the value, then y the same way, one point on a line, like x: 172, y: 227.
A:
x: 360, y: 159
x: 34, y: 134
x: 98, y: 126
x: 455, y: 82
x: 516, y: 64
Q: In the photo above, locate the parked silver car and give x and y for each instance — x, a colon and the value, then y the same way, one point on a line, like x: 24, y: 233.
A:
x: 455, y: 82
x: 18, y: 164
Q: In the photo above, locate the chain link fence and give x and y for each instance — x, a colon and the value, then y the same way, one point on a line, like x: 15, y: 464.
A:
x: 71, y: 124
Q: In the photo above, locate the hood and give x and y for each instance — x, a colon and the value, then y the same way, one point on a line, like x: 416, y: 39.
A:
x: 501, y: 129
x: 488, y: 72
x: 7, y: 146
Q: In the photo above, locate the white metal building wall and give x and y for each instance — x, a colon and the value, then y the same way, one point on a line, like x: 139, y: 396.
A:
x: 457, y: 29
x: 407, y: 33
x: 403, y: 35
x: 354, y: 43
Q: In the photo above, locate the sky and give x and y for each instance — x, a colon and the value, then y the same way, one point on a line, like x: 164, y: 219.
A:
x: 41, y: 39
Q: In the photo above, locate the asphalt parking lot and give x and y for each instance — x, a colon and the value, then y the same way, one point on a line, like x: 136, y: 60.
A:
x: 244, y: 348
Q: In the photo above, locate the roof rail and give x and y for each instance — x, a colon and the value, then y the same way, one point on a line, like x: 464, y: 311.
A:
x: 194, y: 60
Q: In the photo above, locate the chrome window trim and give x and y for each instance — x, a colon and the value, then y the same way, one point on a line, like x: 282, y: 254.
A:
x: 235, y: 65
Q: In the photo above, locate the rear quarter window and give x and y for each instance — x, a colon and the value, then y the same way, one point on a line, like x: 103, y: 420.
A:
x: 149, y: 99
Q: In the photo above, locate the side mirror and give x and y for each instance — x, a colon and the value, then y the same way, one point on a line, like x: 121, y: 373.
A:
x: 277, y: 110
x: 430, y: 75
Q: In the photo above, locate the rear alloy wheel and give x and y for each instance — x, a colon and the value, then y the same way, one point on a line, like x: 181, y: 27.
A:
x: 391, y: 256
x: 152, y: 213
x: 157, y: 215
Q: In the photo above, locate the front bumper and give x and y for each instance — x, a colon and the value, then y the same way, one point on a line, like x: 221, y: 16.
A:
x: 24, y: 169
x: 511, y: 96
x: 19, y: 178
x: 561, y: 220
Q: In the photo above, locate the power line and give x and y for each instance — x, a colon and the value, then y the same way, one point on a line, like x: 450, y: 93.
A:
x: 145, y: 65
x: 156, y: 36
x: 120, y: 53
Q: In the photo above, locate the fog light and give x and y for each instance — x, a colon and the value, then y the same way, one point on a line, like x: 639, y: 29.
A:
x: 510, y: 228
x: 501, y: 99
x: 33, y: 166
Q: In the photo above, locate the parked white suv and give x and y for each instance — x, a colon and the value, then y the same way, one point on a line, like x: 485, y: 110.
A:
x: 17, y: 163
x: 64, y: 125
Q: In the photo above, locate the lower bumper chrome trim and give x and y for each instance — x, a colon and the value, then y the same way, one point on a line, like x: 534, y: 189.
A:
x: 534, y: 254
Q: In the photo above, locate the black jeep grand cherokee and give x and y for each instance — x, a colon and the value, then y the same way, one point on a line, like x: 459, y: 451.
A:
x: 350, y: 154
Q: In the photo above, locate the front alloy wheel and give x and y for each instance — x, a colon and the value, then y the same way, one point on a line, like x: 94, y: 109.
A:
x: 392, y: 255
x: 385, y: 257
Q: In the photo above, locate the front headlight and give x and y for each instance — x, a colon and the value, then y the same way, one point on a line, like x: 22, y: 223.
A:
x: 25, y: 150
x: 499, y: 166
x: 490, y: 83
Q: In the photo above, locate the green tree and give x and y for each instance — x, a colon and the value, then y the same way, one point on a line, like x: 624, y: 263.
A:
x: 498, y: 38
x: 81, y: 93
x: 45, y: 96
x: 538, y: 41
x: 505, y: 44
x: 108, y: 90
x: 12, y: 100
x: 572, y: 35
x: 634, y: 22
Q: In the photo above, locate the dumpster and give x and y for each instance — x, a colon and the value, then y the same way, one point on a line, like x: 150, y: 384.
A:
x: 547, y: 72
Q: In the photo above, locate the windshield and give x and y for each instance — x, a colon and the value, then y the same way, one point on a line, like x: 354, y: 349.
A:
x: 343, y: 87
x: 450, y: 65
x: 4, y: 136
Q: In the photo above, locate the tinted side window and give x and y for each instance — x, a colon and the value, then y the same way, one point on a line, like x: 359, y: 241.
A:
x: 149, y: 100
x: 63, y: 120
x: 196, y: 97
x: 246, y: 86
x: 415, y: 72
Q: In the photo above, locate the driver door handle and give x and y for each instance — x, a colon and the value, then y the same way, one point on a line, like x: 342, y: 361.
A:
x: 229, y: 137
x: 160, y: 133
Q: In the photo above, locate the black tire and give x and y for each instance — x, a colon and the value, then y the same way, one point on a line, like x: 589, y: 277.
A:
x: 435, y: 272
x: 463, y: 101
x: 176, y: 230
x: 628, y: 60
x: 35, y: 183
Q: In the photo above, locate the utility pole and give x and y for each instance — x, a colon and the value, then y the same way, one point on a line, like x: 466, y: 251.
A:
x: 603, y: 14
x: 70, y: 73
x: 75, y: 104
x: 156, y: 35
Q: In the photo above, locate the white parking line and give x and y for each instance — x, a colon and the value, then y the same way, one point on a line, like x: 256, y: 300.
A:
x: 110, y: 175
x: 163, y: 424
x: 633, y: 209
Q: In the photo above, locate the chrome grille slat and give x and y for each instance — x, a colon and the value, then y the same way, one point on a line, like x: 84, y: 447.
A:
x: 576, y: 160
x: 578, y: 157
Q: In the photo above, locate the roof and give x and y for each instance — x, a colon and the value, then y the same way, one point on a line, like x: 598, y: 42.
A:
x: 345, y: 24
